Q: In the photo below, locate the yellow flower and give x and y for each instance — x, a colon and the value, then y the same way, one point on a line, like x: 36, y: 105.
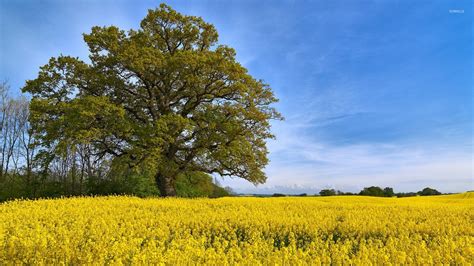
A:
x: 250, y: 231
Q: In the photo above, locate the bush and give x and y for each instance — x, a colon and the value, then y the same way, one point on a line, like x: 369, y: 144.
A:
x: 327, y: 192
x: 198, y: 184
x: 372, y: 191
x: 194, y: 184
x: 12, y: 187
x: 407, y: 194
x: 429, y: 192
x: 218, y: 192
x: 341, y: 193
x: 388, y: 192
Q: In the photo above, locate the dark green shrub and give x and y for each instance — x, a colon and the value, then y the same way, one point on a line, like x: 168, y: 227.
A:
x: 327, y: 192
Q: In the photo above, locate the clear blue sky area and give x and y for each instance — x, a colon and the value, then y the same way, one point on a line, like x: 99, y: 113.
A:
x: 373, y: 92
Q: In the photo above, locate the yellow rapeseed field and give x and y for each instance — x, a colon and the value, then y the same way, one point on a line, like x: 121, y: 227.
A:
x: 252, y: 231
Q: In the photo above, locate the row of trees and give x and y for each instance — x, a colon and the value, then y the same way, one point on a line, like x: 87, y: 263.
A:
x: 379, y: 192
x: 15, y: 141
x: 16, y: 144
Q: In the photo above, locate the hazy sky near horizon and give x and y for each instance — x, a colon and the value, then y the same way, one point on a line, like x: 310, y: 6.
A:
x: 373, y: 92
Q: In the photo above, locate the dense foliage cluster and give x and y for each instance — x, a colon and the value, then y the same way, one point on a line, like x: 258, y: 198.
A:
x: 377, y: 191
x: 284, y: 231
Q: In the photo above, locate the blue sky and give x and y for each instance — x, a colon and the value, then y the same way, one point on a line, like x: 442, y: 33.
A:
x: 373, y: 92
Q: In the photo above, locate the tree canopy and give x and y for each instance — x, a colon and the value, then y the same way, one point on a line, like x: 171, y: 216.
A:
x: 327, y: 192
x: 427, y: 191
x: 377, y: 191
x: 166, y: 96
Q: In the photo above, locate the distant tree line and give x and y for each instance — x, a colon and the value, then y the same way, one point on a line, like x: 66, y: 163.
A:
x: 379, y: 192
x: 75, y: 171
x: 369, y: 191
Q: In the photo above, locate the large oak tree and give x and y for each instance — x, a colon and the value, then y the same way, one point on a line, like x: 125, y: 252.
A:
x: 167, y: 94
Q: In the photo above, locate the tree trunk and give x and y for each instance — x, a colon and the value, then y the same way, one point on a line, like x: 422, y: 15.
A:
x: 166, y: 185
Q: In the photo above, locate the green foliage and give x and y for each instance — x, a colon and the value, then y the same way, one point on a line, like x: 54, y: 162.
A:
x: 194, y: 184
x: 219, y: 192
x: 341, y: 193
x: 372, y: 191
x: 120, y: 180
x: 16, y: 186
x: 166, y: 93
x: 327, y: 192
x: 188, y: 185
x: 198, y: 184
x: 428, y: 192
x: 388, y: 192
x: 278, y: 195
x: 406, y: 194
x: 12, y: 187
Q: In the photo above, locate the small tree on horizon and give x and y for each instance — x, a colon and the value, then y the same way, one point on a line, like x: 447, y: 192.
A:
x: 372, y: 191
x: 427, y: 191
x: 327, y: 192
x: 388, y: 192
